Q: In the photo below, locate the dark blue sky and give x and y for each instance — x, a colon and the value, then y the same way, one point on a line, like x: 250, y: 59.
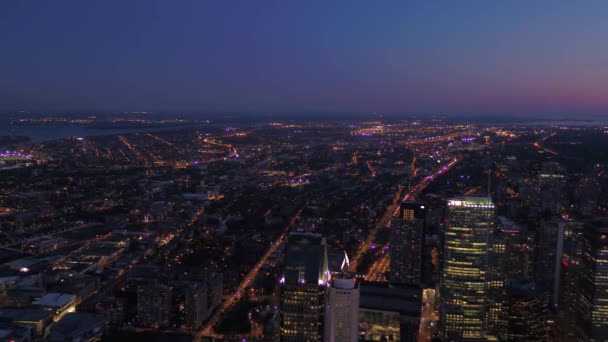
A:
x: 535, y: 57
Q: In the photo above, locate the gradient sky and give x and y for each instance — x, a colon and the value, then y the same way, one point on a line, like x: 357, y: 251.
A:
x: 475, y: 57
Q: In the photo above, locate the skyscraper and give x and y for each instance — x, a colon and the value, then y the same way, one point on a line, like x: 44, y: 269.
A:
x: 525, y: 308
x: 465, y: 267
x: 196, y: 312
x: 549, y: 251
x: 519, y: 257
x: 592, y: 309
x: 342, y: 310
x: 569, y: 290
x: 407, y: 243
x: 551, y: 182
x: 154, y: 304
x: 495, y: 283
x: 304, y: 282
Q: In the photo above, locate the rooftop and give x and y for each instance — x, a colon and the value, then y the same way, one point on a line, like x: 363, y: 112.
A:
x: 55, y: 300
x: 471, y: 202
x: 305, y: 258
x: 76, y: 323
x: 405, y: 301
x: 25, y: 314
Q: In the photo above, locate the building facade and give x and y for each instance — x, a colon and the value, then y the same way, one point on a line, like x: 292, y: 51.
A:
x: 470, y: 222
x: 342, y: 311
x: 592, y: 306
x: 304, y: 282
x: 407, y: 244
x: 549, y: 251
x: 525, y: 308
x: 389, y: 313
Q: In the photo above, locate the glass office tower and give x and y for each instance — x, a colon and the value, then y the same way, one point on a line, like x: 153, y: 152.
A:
x: 593, y: 283
x: 470, y: 222
x: 304, y: 283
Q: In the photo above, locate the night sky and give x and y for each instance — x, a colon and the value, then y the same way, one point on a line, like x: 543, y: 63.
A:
x: 257, y: 56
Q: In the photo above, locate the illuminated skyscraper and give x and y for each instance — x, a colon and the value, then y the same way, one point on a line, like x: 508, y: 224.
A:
x: 592, y: 309
x: 495, y: 283
x: 465, y: 267
x: 407, y: 243
x: 304, y: 283
x: 342, y: 310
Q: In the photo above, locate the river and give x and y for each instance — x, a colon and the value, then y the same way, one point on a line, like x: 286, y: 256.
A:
x: 42, y: 133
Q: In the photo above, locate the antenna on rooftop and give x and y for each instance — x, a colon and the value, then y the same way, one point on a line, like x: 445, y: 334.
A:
x: 345, y: 263
x: 12, y: 123
x: 489, y: 181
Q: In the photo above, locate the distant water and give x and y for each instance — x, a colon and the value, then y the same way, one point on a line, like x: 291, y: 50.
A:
x: 42, y: 133
x: 577, y: 123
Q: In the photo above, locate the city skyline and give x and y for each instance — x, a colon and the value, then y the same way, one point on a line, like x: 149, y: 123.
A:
x: 474, y: 58
x: 404, y: 230
x: 281, y: 171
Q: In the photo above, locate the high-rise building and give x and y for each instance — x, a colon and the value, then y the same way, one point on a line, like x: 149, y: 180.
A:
x: 196, y: 305
x: 154, y: 305
x: 215, y: 290
x: 452, y: 322
x: 570, y: 265
x: 592, y: 306
x: 388, y: 313
x: 202, y: 294
x: 549, y: 251
x: 495, y: 283
x: 304, y: 283
x: 525, y: 309
x: 519, y: 256
x: 342, y: 310
x: 551, y: 181
x: 470, y: 221
x: 407, y: 244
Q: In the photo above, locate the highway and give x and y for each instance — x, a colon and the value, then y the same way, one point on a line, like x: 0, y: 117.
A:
x: 377, y: 272
x: 133, y: 149
x: 417, y: 189
x: 228, y: 303
x: 428, y: 316
x: 540, y: 147
x: 384, y: 220
x: 393, y: 210
x: 156, y: 137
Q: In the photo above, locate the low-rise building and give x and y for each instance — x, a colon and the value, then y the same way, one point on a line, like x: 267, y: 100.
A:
x: 60, y: 303
x: 78, y: 327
